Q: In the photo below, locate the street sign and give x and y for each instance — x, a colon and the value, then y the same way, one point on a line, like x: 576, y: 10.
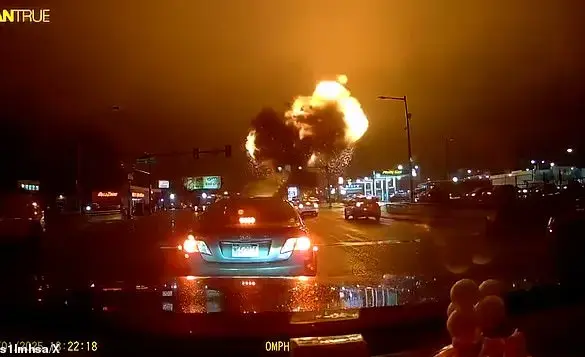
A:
x: 130, y: 176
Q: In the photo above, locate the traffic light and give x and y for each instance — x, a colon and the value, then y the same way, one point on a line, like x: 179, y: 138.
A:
x: 196, y: 153
x: 228, y: 151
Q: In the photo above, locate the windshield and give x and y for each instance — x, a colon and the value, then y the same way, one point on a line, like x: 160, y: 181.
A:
x: 285, y: 157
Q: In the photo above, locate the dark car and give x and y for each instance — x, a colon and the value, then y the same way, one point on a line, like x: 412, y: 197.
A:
x: 250, y: 236
x: 362, y: 208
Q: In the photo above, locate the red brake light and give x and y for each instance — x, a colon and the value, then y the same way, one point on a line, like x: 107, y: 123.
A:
x: 247, y: 220
x: 192, y: 245
x: 300, y: 243
x: 303, y: 243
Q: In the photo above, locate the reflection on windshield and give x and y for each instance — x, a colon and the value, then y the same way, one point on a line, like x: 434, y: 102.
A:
x: 298, y: 295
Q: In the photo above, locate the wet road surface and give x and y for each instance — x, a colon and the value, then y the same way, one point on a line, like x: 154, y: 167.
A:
x: 396, y: 247
x: 121, y: 249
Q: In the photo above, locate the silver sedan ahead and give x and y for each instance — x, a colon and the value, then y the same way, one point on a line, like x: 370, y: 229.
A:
x: 250, y: 237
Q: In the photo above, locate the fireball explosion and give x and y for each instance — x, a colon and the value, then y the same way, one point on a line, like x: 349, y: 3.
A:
x: 320, y: 128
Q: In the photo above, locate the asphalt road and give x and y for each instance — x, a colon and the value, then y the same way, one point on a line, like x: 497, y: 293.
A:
x: 121, y: 249
x: 398, y: 247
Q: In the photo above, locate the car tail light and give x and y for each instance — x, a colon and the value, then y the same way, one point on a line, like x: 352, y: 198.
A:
x: 303, y: 243
x: 247, y: 220
x: 300, y: 243
x: 192, y: 245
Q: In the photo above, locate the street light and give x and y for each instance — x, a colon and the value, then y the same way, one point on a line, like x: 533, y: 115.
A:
x: 400, y: 167
x: 533, y: 162
x: 552, y: 164
x: 407, y: 116
x: 569, y: 150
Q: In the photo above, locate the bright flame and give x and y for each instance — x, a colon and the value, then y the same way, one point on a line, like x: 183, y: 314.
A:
x: 327, y: 93
x: 251, y: 143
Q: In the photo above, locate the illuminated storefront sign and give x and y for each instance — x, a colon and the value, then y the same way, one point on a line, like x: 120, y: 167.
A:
x: 392, y: 172
x: 137, y: 195
x: 292, y: 192
x: 29, y: 185
x: 163, y: 184
x: 107, y: 194
x: 353, y: 188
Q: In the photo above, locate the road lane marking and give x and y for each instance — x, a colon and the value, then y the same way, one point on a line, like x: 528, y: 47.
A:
x: 366, y: 243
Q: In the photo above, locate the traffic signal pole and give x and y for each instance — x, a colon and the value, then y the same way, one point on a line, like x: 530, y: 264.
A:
x: 148, y: 158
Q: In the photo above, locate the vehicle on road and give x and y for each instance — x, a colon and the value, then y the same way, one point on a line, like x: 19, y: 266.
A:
x: 362, y: 208
x: 309, y: 207
x: 250, y: 236
x: 400, y: 196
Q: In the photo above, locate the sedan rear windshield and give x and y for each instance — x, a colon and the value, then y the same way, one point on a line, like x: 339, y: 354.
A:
x: 263, y: 212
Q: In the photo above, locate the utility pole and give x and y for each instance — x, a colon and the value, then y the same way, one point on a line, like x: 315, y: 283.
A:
x: 410, y: 160
x: 448, y: 141
x: 150, y: 187
x: 147, y: 159
x: 78, y: 177
x: 407, y: 115
x: 328, y: 185
x: 130, y: 178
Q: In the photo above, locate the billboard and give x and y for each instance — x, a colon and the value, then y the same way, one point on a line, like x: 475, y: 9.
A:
x: 202, y: 183
x: 163, y: 184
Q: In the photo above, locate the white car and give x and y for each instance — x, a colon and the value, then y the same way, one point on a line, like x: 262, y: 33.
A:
x: 306, y: 208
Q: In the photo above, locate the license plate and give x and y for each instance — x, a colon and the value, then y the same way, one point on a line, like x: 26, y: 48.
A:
x: 245, y: 250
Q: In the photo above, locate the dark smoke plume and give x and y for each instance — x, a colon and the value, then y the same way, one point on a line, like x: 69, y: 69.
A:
x: 278, y: 139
